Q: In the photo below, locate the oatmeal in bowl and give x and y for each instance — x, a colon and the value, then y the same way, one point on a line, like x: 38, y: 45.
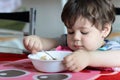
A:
x: 44, y: 63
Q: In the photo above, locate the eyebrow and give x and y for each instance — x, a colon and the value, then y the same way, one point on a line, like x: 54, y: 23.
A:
x: 82, y: 28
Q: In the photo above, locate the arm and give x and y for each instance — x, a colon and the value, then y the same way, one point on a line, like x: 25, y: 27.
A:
x: 105, y: 58
x: 34, y: 43
x: 49, y: 43
x: 80, y: 59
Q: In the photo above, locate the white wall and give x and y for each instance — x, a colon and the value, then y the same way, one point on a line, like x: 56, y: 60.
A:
x: 116, y: 2
x: 116, y: 25
x: 49, y: 22
x: 49, y: 17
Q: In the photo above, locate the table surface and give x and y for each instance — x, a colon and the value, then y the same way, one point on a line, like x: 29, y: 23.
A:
x: 19, y: 67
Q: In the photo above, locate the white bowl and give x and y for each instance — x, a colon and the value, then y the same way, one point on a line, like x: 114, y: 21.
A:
x: 49, y: 65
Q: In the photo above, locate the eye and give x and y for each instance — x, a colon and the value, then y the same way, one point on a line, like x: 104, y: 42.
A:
x: 84, y: 33
x: 70, y: 32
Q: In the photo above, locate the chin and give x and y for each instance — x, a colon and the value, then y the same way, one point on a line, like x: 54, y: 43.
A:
x: 91, y: 49
x: 79, y: 49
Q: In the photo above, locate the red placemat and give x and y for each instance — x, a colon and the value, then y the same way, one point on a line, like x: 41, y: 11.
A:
x: 11, y: 57
x: 24, y: 70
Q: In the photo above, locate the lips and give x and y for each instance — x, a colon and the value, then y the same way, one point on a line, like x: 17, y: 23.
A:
x: 78, y: 47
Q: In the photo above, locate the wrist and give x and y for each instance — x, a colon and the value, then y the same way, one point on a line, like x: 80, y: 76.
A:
x: 90, y: 59
x: 94, y: 57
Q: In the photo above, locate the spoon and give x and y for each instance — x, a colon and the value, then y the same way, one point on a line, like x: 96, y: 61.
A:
x: 49, y: 55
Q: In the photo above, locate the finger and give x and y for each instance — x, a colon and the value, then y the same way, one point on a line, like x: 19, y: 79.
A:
x: 34, y: 51
x: 77, y: 69
x: 67, y: 59
x: 36, y: 47
x: 31, y: 44
x: 68, y: 65
x: 26, y: 42
x: 72, y: 68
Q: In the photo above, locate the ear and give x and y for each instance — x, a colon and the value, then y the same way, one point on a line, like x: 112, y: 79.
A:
x: 106, y: 30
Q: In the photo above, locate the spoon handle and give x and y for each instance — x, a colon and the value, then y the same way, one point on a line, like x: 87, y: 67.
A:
x: 49, y: 55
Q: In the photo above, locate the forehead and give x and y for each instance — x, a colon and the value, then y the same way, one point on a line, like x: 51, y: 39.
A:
x: 82, y: 23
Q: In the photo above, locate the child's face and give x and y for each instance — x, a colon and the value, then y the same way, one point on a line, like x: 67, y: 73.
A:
x: 85, y: 36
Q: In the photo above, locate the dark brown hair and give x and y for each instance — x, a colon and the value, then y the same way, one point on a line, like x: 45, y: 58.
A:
x: 98, y: 12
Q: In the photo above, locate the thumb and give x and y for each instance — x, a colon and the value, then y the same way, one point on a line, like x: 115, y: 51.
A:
x: 34, y: 51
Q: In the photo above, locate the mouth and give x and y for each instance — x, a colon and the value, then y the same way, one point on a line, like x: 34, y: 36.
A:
x: 78, y: 47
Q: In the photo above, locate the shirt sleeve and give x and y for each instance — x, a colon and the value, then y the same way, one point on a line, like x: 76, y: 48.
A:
x: 62, y: 40
x: 110, y: 45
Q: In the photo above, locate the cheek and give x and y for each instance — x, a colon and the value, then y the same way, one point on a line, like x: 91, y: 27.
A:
x: 69, y: 41
x: 92, y: 43
x: 87, y: 42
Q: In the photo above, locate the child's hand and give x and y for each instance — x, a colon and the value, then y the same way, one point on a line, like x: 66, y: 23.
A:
x: 77, y: 61
x: 32, y: 43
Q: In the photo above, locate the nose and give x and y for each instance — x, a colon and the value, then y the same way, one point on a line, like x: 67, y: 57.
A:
x: 77, y: 36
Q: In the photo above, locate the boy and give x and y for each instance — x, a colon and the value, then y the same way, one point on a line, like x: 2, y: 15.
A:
x: 88, y: 24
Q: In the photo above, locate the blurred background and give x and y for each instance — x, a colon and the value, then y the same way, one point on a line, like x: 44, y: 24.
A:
x: 48, y: 23
x: 49, y: 16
